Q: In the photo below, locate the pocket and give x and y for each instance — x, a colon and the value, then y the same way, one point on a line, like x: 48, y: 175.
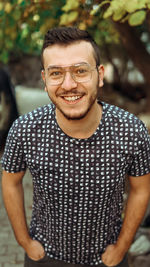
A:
x: 42, y: 260
x: 123, y: 263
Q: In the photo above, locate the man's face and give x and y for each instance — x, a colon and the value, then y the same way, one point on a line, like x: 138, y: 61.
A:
x: 73, y: 99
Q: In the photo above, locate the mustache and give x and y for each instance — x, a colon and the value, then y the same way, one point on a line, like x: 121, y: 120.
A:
x: 71, y: 92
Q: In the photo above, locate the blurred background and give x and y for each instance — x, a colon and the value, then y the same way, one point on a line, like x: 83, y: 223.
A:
x: 122, y: 30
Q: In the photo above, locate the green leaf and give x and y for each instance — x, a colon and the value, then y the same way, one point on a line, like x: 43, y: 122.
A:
x: 64, y: 19
x: 70, y: 5
x: 24, y: 32
x: 133, y: 5
x: 4, y: 56
x: 2, y: 12
x: 108, y: 13
x: 125, y: 18
x: 1, y: 33
x: 95, y: 10
x: 116, y: 6
x: 9, y: 44
x: 67, y: 19
x: 16, y: 14
x: 1, y: 6
x: 119, y: 14
x: 148, y: 3
x: 137, y: 18
x: 22, y: 3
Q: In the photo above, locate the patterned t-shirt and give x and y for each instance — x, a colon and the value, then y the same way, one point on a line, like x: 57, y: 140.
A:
x: 78, y: 184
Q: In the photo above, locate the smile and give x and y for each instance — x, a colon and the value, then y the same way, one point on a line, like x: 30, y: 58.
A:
x: 71, y: 98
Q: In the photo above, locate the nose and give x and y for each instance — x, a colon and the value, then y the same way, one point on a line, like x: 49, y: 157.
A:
x: 68, y: 82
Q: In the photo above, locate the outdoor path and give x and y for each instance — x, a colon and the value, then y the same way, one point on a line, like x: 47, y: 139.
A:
x: 11, y: 254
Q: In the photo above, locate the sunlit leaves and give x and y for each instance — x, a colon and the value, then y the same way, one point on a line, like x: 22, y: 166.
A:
x: 70, y: 5
x: 4, y: 56
x: 119, y: 14
x: 132, y: 6
x: 148, y: 3
x: 137, y: 18
x: 67, y: 19
x: 97, y: 7
x: 8, y: 7
x: 71, y: 12
x: 132, y: 10
x: 24, y: 23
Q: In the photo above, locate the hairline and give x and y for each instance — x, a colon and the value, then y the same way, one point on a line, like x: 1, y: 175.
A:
x: 65, y: 45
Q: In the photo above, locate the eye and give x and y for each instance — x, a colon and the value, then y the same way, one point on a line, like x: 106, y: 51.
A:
x: 55, y: 73
x: 81, y: 70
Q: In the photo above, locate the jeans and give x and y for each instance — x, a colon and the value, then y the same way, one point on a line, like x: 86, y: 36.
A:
x: 48, y: 262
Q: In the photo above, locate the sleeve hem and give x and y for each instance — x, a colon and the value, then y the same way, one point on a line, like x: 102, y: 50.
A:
x: 137, y: 175
x: 12, y: 171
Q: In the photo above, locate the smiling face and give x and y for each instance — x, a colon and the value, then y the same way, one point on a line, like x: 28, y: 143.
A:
x: 72, y: 99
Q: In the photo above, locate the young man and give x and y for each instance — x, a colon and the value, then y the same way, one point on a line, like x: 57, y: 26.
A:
x: 79, y: 152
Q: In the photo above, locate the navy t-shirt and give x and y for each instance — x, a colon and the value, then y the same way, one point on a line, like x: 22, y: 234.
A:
x: 78, y: 184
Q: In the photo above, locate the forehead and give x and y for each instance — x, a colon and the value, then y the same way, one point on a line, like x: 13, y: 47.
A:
x: 77, y: 52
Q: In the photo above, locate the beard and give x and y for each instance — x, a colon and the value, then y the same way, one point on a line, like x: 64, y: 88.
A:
x: 81, y: 114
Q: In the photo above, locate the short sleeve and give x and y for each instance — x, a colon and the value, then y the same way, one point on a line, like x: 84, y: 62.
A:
x: 141, y: 160
x: 13, y: 157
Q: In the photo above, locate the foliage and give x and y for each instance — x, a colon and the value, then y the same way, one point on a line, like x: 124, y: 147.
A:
x: 24, y: 23
x: 80, y: 13
x: 133, y: 11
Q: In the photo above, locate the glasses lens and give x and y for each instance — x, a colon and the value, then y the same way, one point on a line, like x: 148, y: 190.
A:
x: 55, y: 75
x: 81, y: 73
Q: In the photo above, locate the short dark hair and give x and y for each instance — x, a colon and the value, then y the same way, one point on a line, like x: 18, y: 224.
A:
x: 69, y: 35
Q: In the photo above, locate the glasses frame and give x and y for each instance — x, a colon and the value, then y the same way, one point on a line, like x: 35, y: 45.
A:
x: 64, y: 68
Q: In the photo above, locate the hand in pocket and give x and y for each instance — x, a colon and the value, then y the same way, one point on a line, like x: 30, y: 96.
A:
x: 35, y: 250
x: 112, y: 256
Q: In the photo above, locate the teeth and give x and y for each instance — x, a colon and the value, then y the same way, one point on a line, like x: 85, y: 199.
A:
x: 71, y: 98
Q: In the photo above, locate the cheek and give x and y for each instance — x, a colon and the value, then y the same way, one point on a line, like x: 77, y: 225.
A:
x: 52, y: 91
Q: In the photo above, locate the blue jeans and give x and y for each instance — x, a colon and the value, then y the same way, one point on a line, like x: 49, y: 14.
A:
x: 48, y: 262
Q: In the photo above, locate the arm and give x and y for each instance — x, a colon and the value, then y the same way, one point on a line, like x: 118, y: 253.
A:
x: 135, y: 209
x: 13, y: 196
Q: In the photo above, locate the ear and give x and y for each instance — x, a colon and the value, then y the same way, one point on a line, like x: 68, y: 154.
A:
x: 101, y: 75
x: 43, y: 75
x: 43, y: 78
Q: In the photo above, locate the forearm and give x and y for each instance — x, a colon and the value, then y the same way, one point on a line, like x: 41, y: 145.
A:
x: 135, y: 209
x: 134, y: 213
x: 13, y: 195
x: 14, y: 202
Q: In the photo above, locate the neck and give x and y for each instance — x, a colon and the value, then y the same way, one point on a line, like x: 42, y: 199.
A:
x: 83, y: 128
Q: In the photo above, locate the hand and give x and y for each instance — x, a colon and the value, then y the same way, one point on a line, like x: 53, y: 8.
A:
x: 112, y: 256
x: 35, y: 250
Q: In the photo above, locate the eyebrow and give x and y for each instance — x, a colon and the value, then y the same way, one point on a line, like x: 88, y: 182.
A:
x: 63, y: 66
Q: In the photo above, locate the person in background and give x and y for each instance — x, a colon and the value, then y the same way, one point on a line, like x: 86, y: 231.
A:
x: 79, y: 151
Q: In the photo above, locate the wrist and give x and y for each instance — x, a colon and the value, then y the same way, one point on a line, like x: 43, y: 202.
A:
x: 122, y: 246
x: 24, y: 242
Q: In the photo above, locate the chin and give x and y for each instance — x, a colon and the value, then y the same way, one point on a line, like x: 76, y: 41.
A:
x: 74, y: 117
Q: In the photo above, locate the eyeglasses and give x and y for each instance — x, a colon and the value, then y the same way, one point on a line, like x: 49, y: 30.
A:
x: 80, y: 73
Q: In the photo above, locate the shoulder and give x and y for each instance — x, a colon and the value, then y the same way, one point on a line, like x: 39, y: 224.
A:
x: 124, y: 120
x: 36, y: 116
x: 32, y: 120
x: 121, y: 116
